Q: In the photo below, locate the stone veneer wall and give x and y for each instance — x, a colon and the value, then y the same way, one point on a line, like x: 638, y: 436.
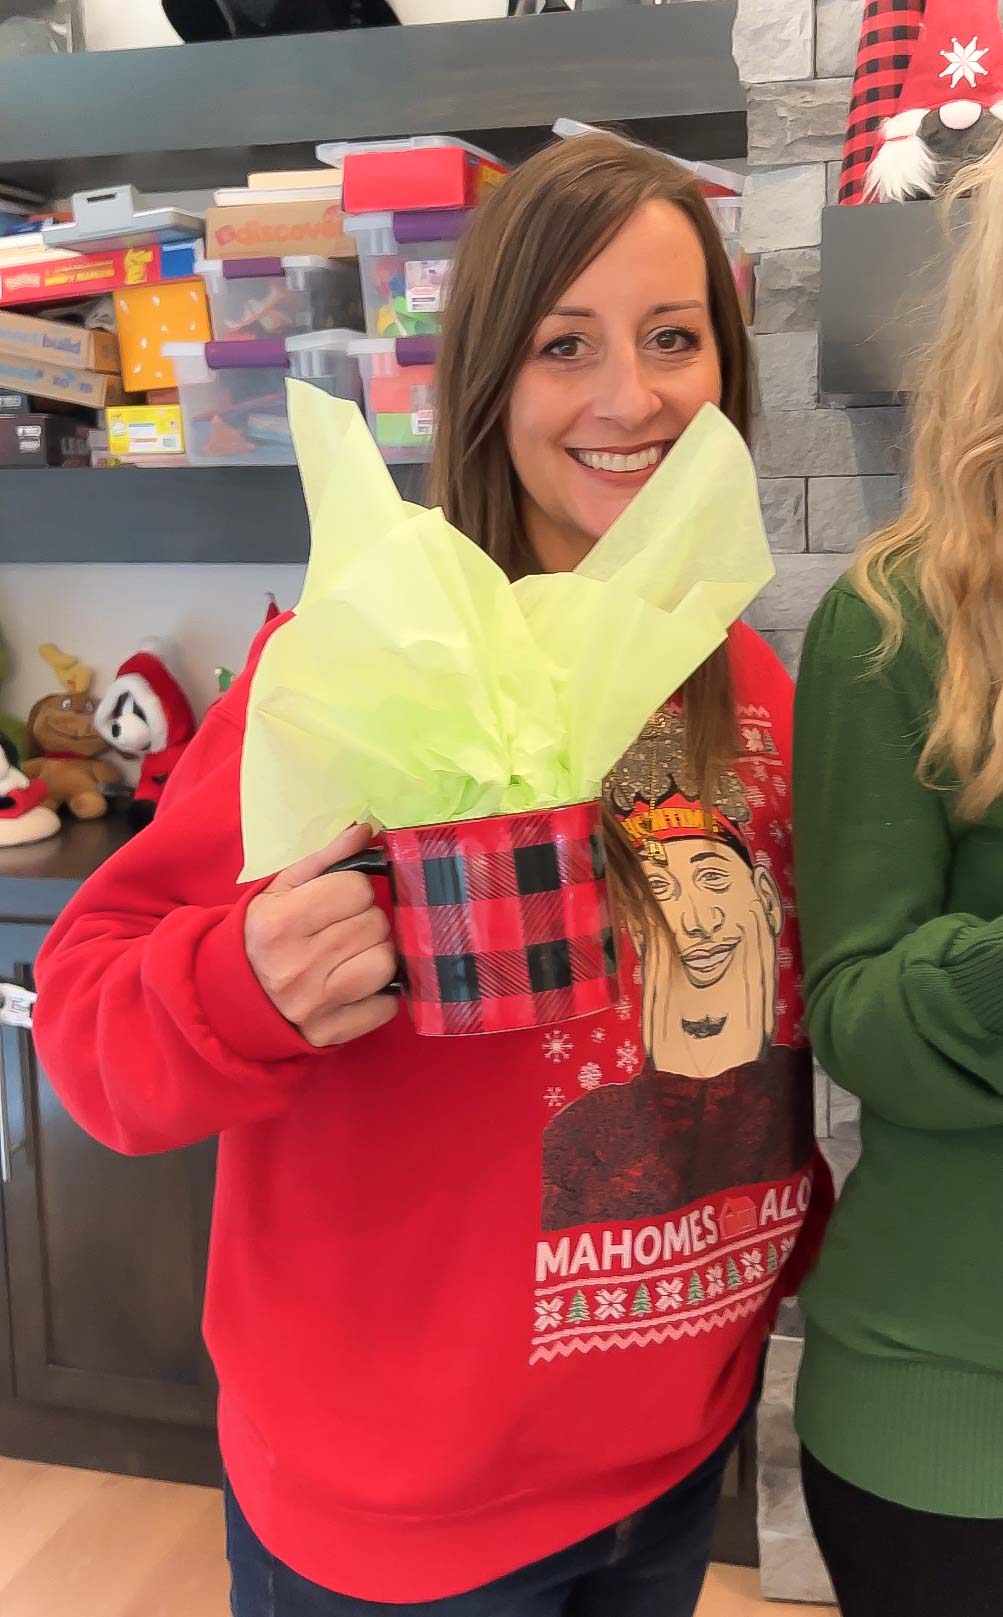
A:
x: 828, y: 477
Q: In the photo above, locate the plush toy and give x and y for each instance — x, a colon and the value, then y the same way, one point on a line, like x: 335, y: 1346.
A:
x: 13, y: 729
x: 146, y: 714
x: 24, y: 814
x: 927, y: 97
x: 65, y: 744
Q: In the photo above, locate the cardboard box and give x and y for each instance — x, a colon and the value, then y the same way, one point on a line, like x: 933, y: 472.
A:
x: 43, y: 440
x: 145, y: 429
x: 273, y: 229
x: 90, y: 274
x: 149, y: 316
x: 95, y: 389
x: 58, y: 343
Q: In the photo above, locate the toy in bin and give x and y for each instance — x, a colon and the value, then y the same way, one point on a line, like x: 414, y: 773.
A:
x: 398, y: 376
x: 233, y: 394
x: 405, y: 261
x: 252, y: 298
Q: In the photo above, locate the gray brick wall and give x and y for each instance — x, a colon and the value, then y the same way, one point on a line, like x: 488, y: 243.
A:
x: 828, y: 477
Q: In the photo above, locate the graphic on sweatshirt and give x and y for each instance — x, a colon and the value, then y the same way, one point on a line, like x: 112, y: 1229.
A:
x: 680, y: 1152
x: 710, y: 978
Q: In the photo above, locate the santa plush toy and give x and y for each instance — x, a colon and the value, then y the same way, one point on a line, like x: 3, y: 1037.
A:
x: 146, y: 715
x: 915, y: 128
x: 24, y: 813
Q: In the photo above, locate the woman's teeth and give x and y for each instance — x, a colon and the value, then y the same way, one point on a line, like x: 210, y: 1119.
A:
x: 640, y: 461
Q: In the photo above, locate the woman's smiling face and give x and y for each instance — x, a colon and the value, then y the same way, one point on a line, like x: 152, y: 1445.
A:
x: 617, y: 371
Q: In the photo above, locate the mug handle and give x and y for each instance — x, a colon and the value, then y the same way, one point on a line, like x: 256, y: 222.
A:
x: 370, y: 862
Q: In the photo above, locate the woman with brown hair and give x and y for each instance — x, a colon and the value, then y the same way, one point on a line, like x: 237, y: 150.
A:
x: 484, y: 1350
x: 899, y: 830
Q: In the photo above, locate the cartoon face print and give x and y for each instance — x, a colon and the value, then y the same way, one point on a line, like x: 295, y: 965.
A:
x: 710, y: 975
x: 710, y: 987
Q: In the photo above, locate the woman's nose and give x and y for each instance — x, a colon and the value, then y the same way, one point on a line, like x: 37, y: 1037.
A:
x: 625, y: 395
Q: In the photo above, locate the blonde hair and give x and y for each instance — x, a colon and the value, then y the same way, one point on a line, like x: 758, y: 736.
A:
x: 947, y: 545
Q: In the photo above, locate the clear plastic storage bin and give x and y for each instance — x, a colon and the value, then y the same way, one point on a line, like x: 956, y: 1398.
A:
x: 398, y: 377
x: 233, y: 394
x: 421, y: 171
x: 324, y: 358
x: 405, y: 261
x: 253, y: 298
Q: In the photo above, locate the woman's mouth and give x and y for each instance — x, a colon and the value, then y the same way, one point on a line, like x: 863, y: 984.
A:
x: 622, y: 462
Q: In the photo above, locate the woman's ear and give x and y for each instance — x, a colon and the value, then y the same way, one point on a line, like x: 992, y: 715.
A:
x: 769, y: 896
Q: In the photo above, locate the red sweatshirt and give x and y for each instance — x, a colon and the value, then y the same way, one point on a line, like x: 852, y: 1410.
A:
x: 469, y: 1300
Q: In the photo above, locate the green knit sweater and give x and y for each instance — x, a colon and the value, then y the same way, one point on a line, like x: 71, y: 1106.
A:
x: 901, y: 906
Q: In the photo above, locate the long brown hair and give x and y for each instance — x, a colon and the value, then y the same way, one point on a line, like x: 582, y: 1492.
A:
x: 536, y: 235
x: 945, y: 545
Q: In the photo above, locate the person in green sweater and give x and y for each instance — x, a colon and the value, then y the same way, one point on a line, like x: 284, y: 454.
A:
x: 898, y: 813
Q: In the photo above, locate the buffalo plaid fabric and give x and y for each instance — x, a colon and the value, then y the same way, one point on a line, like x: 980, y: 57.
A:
x: 504, y: 923
x: 887, y: 34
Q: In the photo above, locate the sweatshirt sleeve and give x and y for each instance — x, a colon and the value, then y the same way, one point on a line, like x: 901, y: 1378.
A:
x: 905, y: 1002
x: 150, y: 1023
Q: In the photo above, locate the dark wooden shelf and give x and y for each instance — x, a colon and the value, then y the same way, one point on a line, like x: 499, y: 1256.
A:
x: 202, y: 115
x: 37, y: 882
x: 186, y: 514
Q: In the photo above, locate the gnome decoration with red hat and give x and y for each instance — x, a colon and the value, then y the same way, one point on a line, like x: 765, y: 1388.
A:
x: 925, y: 102
x: 145, y: 714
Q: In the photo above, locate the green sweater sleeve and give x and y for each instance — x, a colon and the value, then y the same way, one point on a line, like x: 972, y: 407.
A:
x: 905, y: 1002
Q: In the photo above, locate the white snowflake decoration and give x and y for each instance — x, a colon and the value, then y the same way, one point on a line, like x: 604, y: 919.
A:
x: 669, y: 1294
x: 548, y: 1313
x: 598, y: 1035
x: 590, y: 1076
x: 638, y: 975
x: 787, y: 1246
x: 557, y: 1046
x: 753, y: 739
x: 623, y: 1010
x: 778, y: 832
x: 611, y: 1303
x: 627, y: 1056
x: 964, y: 62
x: 752, y: 1263
x: 714, y: 1283
x: 554, y: 1097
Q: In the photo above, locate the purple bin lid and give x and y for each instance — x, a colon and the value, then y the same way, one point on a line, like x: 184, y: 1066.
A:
x: 228, y: 356
x: 244, y: 269
x: 436, y: 224
x: 417, y: 350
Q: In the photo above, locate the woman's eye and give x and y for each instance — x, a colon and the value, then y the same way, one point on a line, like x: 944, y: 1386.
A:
x: 674, y: 340
x: 565, y: 348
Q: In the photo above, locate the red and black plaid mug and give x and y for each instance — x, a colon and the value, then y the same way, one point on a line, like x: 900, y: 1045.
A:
x: 502, y: 923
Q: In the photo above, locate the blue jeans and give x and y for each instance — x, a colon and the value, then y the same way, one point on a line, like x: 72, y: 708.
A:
x: 652, y: 1565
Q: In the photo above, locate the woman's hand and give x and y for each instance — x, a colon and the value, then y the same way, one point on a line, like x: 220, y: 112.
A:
x: 320, y: 947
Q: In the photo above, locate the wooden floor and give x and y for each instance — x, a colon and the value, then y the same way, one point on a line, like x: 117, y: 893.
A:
x: 77, y: 1542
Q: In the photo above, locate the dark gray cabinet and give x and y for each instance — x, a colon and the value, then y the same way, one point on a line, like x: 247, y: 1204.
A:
x: 102, y: 1267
